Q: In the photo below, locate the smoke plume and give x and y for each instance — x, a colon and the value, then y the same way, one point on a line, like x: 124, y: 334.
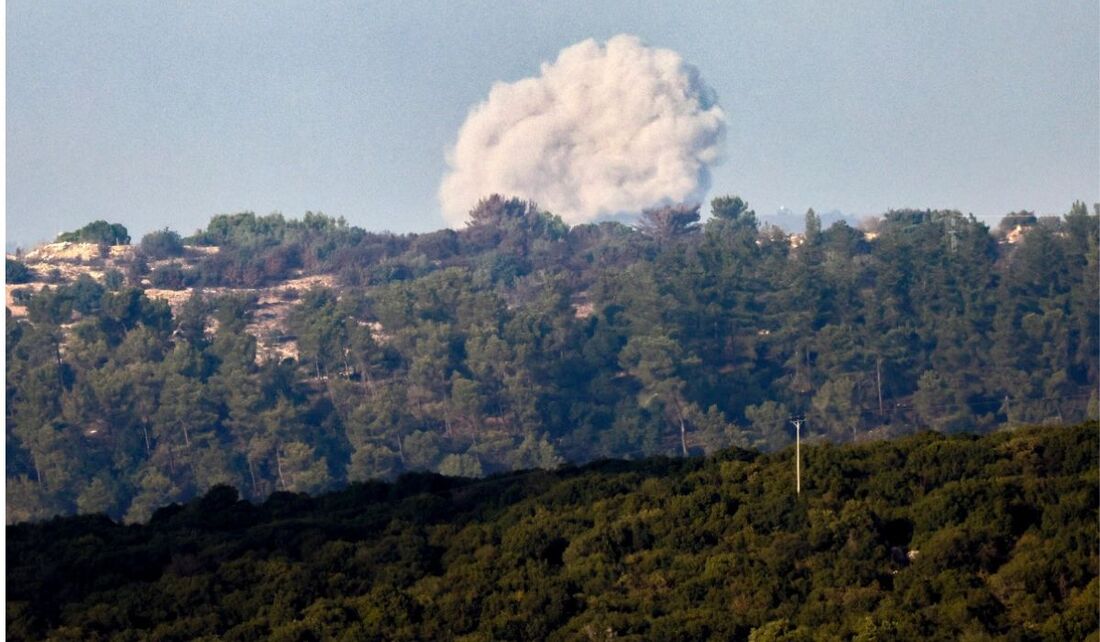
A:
x: 604, y: 130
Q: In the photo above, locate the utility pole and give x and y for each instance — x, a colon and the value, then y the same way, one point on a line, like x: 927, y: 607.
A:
x: 798, y: 421
x: 878, y: 381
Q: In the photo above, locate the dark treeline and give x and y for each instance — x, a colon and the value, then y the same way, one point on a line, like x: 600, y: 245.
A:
x: 928, y: 537
x: 520, y: 342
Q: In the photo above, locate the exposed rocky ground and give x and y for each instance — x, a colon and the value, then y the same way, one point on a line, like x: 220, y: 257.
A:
x: 59, y: 263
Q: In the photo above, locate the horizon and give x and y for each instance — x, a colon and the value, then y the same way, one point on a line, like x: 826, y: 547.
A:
x: 787, y: 220
x: 159, y: 116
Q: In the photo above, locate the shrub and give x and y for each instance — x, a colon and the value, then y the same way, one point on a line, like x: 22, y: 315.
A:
x: 98, y: 232
x: 162, y: 244
x: 17, y: 272
x: 169, y: 277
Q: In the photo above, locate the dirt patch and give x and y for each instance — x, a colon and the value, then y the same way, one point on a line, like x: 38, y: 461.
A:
x: 67, y: 252
x: 62, y: 263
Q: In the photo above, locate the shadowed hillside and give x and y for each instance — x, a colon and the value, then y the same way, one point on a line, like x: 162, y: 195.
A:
x: 925, y: 537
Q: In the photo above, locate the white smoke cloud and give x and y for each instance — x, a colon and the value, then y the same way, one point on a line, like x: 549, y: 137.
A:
x: 604, y: 130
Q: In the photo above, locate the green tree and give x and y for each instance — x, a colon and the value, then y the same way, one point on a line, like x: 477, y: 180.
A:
x: 161, y: 244
x: 769, y: 425
x: 665, y: 224
x: 655, y: 361
x: 463, y: 465
x: 16, y: 272
x: 97, y: 232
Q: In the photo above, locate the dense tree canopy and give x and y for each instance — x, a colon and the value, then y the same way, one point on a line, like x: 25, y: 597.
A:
x: 520, y: 342
x: 928, y: 537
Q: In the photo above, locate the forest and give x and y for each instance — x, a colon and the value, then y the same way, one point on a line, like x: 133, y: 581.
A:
x: 519, y: 342
x: 926, y: 537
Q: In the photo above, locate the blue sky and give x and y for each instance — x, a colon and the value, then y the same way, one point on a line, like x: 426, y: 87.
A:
x: 159, y: 114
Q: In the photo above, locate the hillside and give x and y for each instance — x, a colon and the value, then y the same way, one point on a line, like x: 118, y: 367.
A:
x: 303, y: 354
x: 65, y: 262
x: 925, y: 537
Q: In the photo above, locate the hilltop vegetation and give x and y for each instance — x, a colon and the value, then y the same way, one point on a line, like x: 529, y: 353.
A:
x: 925, y: 537
x: 519, y: 342
x: 99, y: 232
